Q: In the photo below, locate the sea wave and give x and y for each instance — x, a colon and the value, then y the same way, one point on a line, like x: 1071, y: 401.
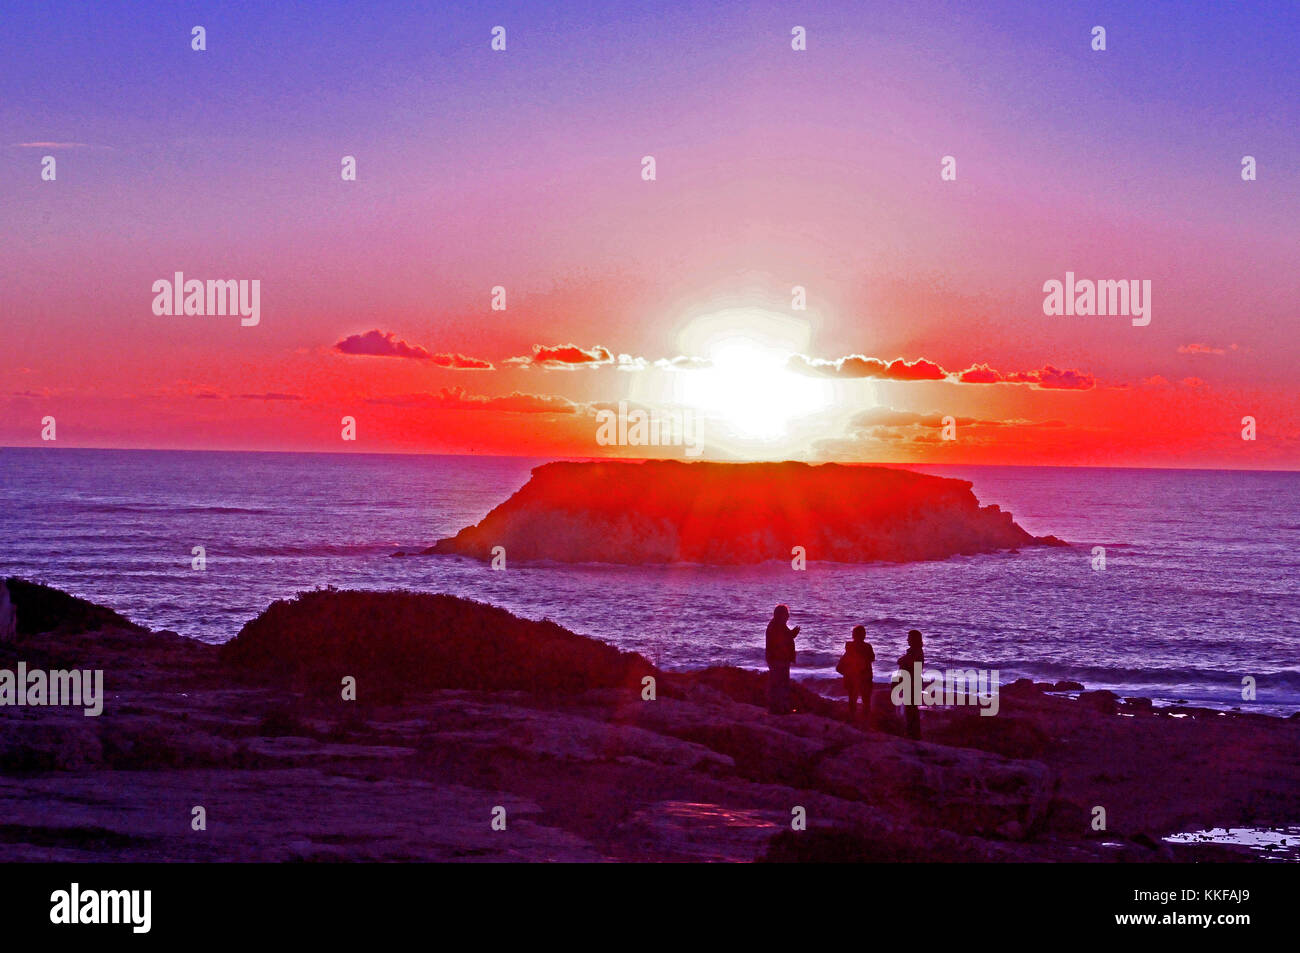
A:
x: 171, y: 509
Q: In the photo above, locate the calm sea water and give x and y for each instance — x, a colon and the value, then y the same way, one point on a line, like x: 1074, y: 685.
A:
x: 1200, y: 587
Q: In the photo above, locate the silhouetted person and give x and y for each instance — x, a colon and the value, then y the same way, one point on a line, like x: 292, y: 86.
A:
x: 855, y: 666
x: 780, y: 654
x: 912, y: 661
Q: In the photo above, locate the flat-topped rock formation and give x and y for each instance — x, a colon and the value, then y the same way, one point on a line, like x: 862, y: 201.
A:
x: 665, y: 511
x: 447, y: 727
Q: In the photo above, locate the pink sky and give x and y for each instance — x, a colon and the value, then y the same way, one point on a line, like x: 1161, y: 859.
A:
x: 775, y: 168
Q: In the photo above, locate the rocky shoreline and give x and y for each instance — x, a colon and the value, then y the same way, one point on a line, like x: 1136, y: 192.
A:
x: 464, y: 713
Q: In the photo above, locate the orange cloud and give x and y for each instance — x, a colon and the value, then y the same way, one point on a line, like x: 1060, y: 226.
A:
x: 1048, y: 377
x: 889, y: 418
x: 1160, y: 382
x: 564, y: 357
x: 459, y: 362
x: 1205, y: 349
x: 861, y: 366
x: 456, y: 398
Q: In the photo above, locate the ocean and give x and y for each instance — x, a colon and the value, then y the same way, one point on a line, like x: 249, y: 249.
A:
x: 1200, y: 586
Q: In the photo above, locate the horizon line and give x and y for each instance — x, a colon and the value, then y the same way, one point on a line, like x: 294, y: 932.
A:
x: 579, y: 457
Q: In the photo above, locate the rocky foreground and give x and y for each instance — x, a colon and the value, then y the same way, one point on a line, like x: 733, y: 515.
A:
x: 463, y: 710
x: 666, y: 511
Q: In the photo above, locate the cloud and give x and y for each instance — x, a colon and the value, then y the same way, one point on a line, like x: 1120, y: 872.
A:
x: 381, y: 344
x: 205, y: 393
x: 53, y: 145
x: 569, y: 357
x: 1053, y: 378
x: 1048, y: 377
x: 683, y: 363
x: 386, y: 344
x: 626, y: 362
x: 861, y: 366
x: 979, y: 374
x: 459, y: 362
x: 882, y: 427
x: 888, y: 418
x: 456, y: 398
x: 1160, y: 382
x: 566, y: 357
x: 1205, y: 349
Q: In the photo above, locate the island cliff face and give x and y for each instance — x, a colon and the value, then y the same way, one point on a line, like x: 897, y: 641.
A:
x: 665, y: 511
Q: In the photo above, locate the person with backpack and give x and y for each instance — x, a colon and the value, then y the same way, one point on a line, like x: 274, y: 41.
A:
x: 855, y: 666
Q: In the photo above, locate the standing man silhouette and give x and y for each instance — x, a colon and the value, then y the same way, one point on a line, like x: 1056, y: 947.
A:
x: 780, y: 655
x: 911, y: 662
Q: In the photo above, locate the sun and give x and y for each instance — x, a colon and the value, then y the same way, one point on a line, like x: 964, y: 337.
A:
x: 748, y: 388
x: 746, y: 399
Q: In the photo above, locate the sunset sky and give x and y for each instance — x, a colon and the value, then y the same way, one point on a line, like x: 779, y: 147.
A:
x: 775, y: 168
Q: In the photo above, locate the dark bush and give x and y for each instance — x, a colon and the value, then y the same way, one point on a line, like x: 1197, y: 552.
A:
x: 42, y: 608
x: 394, y: 642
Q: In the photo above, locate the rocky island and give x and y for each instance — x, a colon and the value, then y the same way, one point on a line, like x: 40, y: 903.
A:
x: 665, y: 511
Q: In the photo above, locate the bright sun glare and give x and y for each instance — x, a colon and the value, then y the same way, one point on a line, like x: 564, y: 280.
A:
x: 749, y: 389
